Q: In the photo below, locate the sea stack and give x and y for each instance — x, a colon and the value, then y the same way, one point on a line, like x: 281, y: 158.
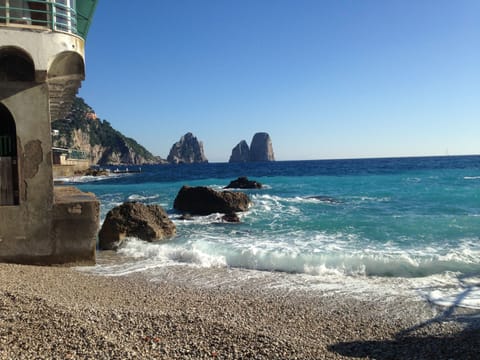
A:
x: 187, y: 151
x: 261, y: 148
x: 240, y: 153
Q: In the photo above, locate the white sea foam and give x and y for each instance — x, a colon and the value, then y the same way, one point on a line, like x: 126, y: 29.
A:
x: 413, y: 179
x: 309, y: 199
x: 88, y: 178
x: 433, y: 277
x: 471, y: 177
x: 308, y: 258
x: 138, y: 197
x: 450, y: 289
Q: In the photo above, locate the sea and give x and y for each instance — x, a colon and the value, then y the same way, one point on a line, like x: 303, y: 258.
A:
x: 359, y: 227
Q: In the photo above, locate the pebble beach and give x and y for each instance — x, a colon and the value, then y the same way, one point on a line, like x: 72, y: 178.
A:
x: 63, y: 313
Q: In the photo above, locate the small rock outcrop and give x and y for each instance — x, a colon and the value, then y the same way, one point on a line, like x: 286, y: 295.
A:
x: 240, y: 153
x: 201, y: 200
x: 261, y: 148
x: 146, y: 222
x: 243, y: 183
x: 187, y: 150
x: 231, y: 218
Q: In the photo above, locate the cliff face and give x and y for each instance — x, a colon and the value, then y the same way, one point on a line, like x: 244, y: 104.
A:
x: 261, y: 149
x: 187, y: 151
x: 82, y: 130
x: 240, y: 153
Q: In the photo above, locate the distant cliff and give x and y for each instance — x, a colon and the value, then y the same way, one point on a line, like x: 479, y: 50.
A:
x: 82, y: 130
x: 187, y: 150
x: 261, y: 149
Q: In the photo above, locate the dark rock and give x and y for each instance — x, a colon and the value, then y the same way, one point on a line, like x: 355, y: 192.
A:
x: 232, y: 217
x: 187, y: 151
x: 323, y: 198
x: 186, y: 216
x: 146, y: 222
x: 240, y: 153
x: 244, y: 183
x: 202, y: 200
x: 93, y: 172
x: 261, y: 148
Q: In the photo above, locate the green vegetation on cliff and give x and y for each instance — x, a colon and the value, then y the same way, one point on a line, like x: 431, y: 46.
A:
x: 82, y: 130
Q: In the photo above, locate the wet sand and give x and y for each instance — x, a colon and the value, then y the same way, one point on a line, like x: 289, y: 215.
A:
x: 62, y: 313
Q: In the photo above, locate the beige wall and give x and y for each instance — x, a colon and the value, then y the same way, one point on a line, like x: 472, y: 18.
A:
x: 70, y: 170
x: 42, y: 228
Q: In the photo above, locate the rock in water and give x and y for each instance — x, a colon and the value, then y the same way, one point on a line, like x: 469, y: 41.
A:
x: 240, y: 153
x: 231, y: 218
x: 261, y: 148
x: 201, y: 200
x: 187, y: 151
x: 146, y: 222
x: 243, y: 183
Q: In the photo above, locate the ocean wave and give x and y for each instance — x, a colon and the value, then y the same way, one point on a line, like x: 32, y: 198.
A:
x: 88, y: 178
x: 439, y: 279
x: 281, y: 257
x: 370, y: 199
x: 471, y: 177
x: 271, y: 201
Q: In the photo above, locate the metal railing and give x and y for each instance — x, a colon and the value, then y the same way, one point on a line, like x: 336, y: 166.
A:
x: 71, y: 154
x: 75, y: 154
x: 57, y: 15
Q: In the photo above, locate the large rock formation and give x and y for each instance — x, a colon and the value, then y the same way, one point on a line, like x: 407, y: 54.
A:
x: 202, y: 200
x: 187, y: 151
x: 146, y: 222
x: 82, y: 130
x: 261, y: 148
x: 240, y: 153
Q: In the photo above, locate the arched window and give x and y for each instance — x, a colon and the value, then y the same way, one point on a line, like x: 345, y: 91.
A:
x: 9, y: 194
x: 15, y: 65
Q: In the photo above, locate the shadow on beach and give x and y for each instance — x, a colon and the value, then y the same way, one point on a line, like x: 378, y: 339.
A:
x: 427, y: 340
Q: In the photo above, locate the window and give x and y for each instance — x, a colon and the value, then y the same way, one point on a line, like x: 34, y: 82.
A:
x: 9, y: 194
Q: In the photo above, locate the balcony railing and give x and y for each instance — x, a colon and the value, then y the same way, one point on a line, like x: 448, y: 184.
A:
x: 57, y: 15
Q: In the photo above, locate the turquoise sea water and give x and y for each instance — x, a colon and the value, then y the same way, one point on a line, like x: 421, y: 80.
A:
x: 406, y: 220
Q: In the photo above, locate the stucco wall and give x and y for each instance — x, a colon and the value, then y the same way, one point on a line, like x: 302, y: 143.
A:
x: 39, y: 230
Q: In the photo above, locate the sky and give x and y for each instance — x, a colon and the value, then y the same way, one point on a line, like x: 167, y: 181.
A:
x: 325, y: 78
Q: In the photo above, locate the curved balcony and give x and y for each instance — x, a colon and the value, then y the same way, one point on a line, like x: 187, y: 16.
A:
x: 68, y: 16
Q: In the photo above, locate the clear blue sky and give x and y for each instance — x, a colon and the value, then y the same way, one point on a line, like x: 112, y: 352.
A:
x: 325, y: 78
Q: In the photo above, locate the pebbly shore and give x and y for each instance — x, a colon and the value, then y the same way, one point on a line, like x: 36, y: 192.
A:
x: 62, y: 313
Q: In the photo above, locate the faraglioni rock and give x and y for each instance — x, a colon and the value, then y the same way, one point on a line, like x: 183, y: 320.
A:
x: 261, y: 148
x: 201, y: 200
x: 187, y: 151
x: 146, y: 222
x: 240, y: 153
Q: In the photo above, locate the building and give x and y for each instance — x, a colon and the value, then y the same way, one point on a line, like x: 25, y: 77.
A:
x: 42, y: 63
x: 69, y: 162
